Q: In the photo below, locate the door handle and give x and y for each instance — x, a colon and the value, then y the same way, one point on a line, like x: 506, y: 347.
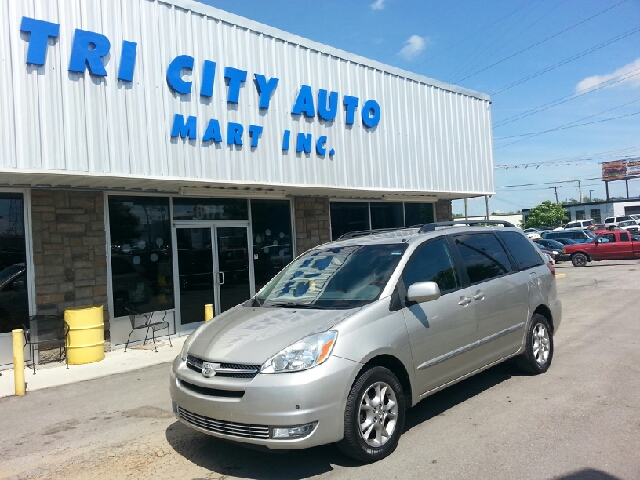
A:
x: 464, y: 301
x: 479, y: 295
x: 221, y: 278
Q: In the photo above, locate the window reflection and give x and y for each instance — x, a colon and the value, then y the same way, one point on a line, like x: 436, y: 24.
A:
x: 272, y: 247
x: 141, y: 258
x: 14, y: 301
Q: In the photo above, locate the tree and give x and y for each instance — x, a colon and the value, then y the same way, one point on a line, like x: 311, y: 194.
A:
x: 547, y: 213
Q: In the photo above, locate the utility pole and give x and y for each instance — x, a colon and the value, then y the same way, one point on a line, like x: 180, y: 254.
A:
x: 486, y: 203
x: 556, y: 190
x: 579, y: 190
x: 466, y: 210
x: 590, y: 194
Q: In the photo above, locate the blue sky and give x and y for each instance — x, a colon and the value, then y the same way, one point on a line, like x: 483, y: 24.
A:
x: 576, y: 60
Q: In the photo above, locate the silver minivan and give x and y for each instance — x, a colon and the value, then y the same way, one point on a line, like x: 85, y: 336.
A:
x: 352, y: 333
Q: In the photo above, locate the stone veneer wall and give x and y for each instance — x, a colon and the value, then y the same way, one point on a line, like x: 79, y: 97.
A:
x: 444, y: 211
x: 312, y: 222
x: 69, y: 250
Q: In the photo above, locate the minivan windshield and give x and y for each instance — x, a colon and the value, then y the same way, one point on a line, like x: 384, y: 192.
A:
x: 339, y: 277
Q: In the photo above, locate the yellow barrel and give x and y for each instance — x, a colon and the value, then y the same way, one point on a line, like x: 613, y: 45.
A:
x: 208, y: 312
x: 85, y: 339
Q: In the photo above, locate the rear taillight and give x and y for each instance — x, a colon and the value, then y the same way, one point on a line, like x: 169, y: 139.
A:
x: 551, y: 269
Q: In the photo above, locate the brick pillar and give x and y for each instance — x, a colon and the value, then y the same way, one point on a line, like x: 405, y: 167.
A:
x: 69, y: 250
x: 444, y: 211
x: 312, y: 222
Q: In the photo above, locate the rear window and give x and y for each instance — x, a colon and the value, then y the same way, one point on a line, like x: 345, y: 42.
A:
x: 521, y: 249
x: 624, y: 237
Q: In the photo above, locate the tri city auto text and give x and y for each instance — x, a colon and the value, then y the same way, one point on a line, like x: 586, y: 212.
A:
x: 89, y: 48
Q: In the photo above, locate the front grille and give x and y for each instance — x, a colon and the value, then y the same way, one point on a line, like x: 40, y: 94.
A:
x: 222, y: 427
x: 240, y: 371
x: 212, y: 392
x: 194, y: 363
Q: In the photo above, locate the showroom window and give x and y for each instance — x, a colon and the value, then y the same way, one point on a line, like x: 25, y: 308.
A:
x: 580, y: 215
x: 141, y: 255
x: 272, y: 245
x: 356, y: 216
x: 348, y: 217
x: 210, y: 209
x: 596, y: 215
x: 386, y: 215
x: 418, y: 213
x: 14, y: 300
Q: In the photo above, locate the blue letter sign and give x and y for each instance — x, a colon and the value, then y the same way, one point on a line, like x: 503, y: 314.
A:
x: 39, y: 34
x: 87, y: 50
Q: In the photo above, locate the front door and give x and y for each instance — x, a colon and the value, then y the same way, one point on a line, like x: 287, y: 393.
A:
x: 215, y: 266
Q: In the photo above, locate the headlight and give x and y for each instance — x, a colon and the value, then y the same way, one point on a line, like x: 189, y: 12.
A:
x: 306, y: 353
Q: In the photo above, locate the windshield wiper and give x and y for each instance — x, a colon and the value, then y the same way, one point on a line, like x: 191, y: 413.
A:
x: 296, y: 305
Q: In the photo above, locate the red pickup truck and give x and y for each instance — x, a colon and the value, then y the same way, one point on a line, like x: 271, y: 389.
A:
x: 614, y: 245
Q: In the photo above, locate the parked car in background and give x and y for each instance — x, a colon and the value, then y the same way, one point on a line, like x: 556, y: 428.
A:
x: 553, y: 246
x: 579, y: 224
x: 532, y: 233
x: 614, y: 245
x: 596, y: 226
x: 578, y: 235
x: 632, y: 226
x: 614, y: 221
x: 352, y: 333
x: 564, y: 241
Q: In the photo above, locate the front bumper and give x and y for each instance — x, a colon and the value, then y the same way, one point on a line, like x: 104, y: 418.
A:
x: 254, y: 406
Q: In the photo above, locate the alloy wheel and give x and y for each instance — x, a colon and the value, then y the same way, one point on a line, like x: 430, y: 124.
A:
x: 378, y: 414
x: 541, y: 344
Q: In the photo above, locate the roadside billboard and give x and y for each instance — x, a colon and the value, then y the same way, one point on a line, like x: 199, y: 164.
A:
x: 621, y: 169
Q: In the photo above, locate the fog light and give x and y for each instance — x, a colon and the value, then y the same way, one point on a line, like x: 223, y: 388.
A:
x: 297, y: 431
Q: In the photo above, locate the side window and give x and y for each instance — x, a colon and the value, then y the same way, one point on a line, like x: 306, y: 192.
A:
x: 521, y: 249
x: 624, y: 237
x: 484, y: 258
x: 610, y: 237
x: 432, y: 262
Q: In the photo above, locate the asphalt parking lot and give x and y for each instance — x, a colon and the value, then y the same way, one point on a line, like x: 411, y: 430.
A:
x: 579, y: 421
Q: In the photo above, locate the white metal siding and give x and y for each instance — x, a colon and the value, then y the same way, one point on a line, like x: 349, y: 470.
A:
x: 431, y: 138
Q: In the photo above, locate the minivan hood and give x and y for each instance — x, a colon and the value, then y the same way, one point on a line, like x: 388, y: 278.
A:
x: 251, y: 335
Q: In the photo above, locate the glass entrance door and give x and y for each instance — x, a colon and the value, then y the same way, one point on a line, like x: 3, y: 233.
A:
x: 215, y: 266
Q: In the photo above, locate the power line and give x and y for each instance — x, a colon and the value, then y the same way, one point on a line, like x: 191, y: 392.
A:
x: 466, y: 38
x: 566, y: 127
x: 542, y: 41
x: 568, y: 60
x: 571, y: 124
x: 479, y: 45
x: 462, y: 64
x: 580, y: 93
x: 617, y: 154
x: 519, y: 34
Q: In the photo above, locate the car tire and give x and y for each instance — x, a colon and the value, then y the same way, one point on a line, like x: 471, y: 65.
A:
x: 538, y: 352
x: 579, y: 260
x: 367, y: 416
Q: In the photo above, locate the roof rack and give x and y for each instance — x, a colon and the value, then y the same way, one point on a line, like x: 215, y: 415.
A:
x: 430, y: 227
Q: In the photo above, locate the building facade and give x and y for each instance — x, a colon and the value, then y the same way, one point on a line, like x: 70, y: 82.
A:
x: 163, y: 155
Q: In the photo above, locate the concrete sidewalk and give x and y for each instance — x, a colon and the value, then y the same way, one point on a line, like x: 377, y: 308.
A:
x: 117, y: 361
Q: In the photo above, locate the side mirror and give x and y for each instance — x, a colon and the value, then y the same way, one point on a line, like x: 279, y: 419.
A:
x: 423, y: 292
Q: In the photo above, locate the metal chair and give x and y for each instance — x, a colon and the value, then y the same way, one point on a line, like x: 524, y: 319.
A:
x: 146, y: 324
x: 46, y: 332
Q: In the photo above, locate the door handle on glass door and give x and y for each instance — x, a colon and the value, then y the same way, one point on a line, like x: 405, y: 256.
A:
x: 464, y: 301
x: 479, y: 295
x: 221, y: 278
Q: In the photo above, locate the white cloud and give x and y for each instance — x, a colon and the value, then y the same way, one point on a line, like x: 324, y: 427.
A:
x: 627, y: 71
x: 413, y: 47
x: 378, y: 5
